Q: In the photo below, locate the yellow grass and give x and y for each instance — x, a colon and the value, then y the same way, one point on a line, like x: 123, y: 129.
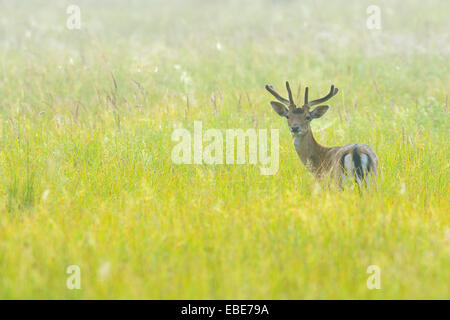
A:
x: 86, y: 176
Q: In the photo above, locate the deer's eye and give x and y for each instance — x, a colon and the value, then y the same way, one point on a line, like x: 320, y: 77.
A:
x: 308, y: 118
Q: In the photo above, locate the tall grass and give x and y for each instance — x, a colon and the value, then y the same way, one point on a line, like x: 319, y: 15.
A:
x: 85, y: 171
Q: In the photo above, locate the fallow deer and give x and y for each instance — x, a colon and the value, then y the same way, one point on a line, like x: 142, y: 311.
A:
x: 355, y: 160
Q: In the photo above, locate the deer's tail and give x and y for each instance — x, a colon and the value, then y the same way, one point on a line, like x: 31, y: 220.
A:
x: 358, y: 164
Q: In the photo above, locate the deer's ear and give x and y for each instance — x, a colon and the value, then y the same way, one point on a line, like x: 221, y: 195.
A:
x: 279, y: 108
x: 319, y: 111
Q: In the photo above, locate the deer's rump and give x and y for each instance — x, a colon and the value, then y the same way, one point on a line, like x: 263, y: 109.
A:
x: 354, y: 161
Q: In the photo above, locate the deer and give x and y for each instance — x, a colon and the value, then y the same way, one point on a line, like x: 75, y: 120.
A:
x: 342, y: 164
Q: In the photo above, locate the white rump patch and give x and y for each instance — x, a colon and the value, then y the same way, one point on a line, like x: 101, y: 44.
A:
x: 349, y: 172
x: 349, y: 166
x: 365, y: 162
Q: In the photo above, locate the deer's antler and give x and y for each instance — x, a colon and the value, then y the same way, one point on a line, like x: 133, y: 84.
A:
x: 306, y: 96
x: 291, y: 100
x: 330, y: 94
x: 276, y: 95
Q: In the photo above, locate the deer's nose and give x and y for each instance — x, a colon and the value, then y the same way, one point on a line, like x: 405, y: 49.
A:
x: 294, y: 129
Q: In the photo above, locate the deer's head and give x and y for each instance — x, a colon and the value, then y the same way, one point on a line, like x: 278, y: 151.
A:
x: 299, y: 119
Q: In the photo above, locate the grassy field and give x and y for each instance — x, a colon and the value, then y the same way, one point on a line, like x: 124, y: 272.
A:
x: 86, y: 176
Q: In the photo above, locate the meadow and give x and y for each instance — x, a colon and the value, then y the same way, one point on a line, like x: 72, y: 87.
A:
x: 86, y: 176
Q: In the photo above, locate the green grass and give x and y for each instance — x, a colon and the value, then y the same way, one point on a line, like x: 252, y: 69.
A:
x: 86, y: 176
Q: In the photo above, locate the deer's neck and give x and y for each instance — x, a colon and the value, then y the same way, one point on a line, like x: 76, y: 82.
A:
x: 310, y: 152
